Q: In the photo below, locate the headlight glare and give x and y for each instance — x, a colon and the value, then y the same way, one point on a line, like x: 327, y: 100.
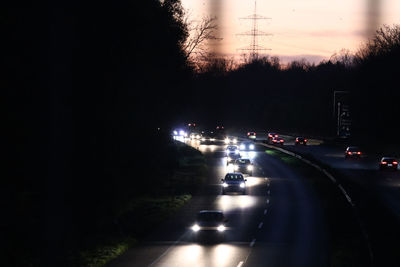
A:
x: 242, y: 185
x: 251, y: 146
x: 221, y: 228
x: 225, y: 185
x: 195, y: 228
x: 250, y: 167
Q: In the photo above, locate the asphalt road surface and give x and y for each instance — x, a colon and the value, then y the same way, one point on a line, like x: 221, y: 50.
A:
x: 277, y: 223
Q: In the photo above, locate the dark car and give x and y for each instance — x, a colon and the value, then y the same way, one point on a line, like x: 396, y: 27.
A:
x: 301, y: 141
x: 243, y: 166
x: 388, y: 163
x: 210, y: 222
x: 271, y: 136
x: 352, y: 152
x: 278, y: 141
x: 234, y: 182
x: 231, y: 158
x: 208, y: 138
x: 247, y: 146
x: 232, y: 150
x: 252, y: 135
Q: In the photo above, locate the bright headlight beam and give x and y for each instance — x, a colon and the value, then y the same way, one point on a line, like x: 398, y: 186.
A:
x: 195, y: 228
x: 221, y: 228
x: 242, y: 185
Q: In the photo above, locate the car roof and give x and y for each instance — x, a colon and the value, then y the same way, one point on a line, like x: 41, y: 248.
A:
x: 234, y: 173
x: 211, y: 211
x: 352, y: 147
x: 384, y: 158
x: 229, y: 147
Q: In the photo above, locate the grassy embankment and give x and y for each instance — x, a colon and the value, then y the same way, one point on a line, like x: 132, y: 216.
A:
x: 142, y: 213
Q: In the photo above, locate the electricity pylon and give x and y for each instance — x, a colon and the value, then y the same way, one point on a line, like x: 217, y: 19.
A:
x: 254, y: 33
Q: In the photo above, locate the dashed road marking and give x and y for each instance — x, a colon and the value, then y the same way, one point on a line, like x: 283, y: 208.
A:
x: 268, y: 192
x: 253, y: 242
x: 260, y: 225
x: 265, y: 211
x: 267, y: 201
x: 240, y: 264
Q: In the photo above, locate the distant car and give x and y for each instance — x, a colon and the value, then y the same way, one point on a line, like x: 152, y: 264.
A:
x: 231, y: 158
x: 247, y: 146
x: 208, y: 138
x: 210, y: 222
x: 388, y: 163
x: 278, y: 141
x: 301, y: 141
x: 234, y: 182
x: 272, y: 135
x: 230, y: 140
x: 243, y: 166
x: 232, y: 150
x: 251, y: 135
x: 352, y: 152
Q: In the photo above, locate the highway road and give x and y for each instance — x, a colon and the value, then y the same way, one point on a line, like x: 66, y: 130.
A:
x: 362, y: 172
x: 375, y: 193
x: 277, y: 223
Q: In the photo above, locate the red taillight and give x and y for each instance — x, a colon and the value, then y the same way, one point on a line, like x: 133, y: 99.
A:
x: 248, y: 133
x: 305, y: 140
x: 383, y: 162
x: 395, y: 162
x: 359, y: 153
x: 349, y: 153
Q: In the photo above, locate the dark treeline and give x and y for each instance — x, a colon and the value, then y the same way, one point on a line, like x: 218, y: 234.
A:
x: 298, y: 98
x: 85, y: 86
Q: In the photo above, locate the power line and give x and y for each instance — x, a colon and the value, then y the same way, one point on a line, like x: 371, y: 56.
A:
x: 254, y: 48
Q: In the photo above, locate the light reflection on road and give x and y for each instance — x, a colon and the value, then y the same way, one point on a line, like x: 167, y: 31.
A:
x: 218, y: 255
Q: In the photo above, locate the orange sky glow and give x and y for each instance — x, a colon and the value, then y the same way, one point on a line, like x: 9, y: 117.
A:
x: 311, y: 29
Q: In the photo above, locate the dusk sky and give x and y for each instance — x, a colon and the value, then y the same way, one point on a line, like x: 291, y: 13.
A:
x: 311, y: 29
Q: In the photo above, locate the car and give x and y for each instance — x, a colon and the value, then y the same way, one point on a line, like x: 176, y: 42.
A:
x: 232, y: 150
x: 210, y: 222
x: 252, y: 135
x: 272, y: 135
x: 352, y: 152
x: 243, y: 166
x: 231, y: 158
x: 247, y: 146
x: 234, y: 182
x: 301, y: 141
x: 388, y: 163
x: 230, y: 140
x: 208, y: 138
x: 278, y: 141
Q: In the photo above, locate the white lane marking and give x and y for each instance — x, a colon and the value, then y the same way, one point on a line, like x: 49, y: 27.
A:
x: 265, y: 211
x: 253, y: 242
x: 240, y: 264
x: 269, y: 192
x: 260, y: 225
x: 267, y: 201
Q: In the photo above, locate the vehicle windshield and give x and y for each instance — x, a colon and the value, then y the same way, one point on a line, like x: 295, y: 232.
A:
x: 210, y: 216
x: 243, y: 161
x: 353, y: 149
x: 233, y: 177
x: 388, y: 160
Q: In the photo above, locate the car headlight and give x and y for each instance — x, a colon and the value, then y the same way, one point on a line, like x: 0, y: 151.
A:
x: 237, y: 151
x: 235, y: 167
x: 242, y: 147
x: 175, y: 133
x: 203, y: 139
x: 251, y: 146
x: 225, y: 185
x: 195, y: 228
x: 227, y: 140
x: 221, y: 228
x: 212, y: 139
x: 242, y: 185
x: 234, y: 141
x: 229, y: 158
x: 250, y: 167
